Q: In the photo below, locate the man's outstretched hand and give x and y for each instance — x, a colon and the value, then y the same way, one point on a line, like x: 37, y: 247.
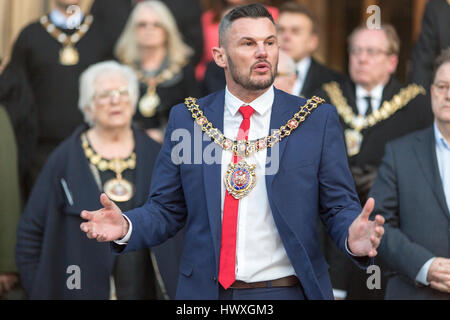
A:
x: 106, y: 224
x: 364, y: 236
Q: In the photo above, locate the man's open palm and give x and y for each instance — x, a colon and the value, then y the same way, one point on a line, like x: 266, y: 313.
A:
x: 364, y: 235
x: 106, y: 224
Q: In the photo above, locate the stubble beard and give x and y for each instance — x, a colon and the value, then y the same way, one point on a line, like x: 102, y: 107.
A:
x: 246, y: 82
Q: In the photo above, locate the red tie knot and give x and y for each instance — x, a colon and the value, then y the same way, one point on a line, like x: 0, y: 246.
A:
x: 246, y: 111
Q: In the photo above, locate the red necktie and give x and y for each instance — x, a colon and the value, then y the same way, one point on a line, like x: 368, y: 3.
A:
x: 230, y: 214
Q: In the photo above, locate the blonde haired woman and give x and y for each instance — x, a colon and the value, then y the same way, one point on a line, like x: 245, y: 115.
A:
x: 152, y: 45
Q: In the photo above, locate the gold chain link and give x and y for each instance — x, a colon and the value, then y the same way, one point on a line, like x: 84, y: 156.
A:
x: 244, y: 148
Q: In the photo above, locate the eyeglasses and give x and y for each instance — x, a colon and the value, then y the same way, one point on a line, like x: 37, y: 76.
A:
x: 442, y: 88
x: 105, y: 96
x: 144, y: 24
x: 371, y: 52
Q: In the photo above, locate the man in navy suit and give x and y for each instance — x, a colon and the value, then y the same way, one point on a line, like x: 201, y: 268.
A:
x: 250, y: 219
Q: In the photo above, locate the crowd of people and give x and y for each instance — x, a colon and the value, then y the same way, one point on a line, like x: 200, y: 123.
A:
x: 87, y: 116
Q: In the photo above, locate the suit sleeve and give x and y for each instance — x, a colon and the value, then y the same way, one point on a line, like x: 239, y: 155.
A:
x: 164, y: 213
x: 396, y: 249
x: 339, y: 203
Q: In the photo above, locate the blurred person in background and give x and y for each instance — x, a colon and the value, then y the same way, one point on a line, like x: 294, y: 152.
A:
x: 412, y: 192
x: 107, y: 156
x: 51, y: 53
x: 374, y: 108
x: 152, y: 45
x: 10, y: 208
x: 434, y: 37
x: 286, y: 73
x: 299, y: 37
x: 115, y: 14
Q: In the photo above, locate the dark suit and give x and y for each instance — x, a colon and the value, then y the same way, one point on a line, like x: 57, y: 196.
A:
x: 434, y: 37
x: 312, y: 180
x: 408, y: 192
x: 317, y: 75
x: 49, y: 239
x: 413, y: 116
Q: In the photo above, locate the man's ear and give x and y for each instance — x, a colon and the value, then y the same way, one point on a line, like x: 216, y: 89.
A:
x: 219, y: 56
x: 393, y: 62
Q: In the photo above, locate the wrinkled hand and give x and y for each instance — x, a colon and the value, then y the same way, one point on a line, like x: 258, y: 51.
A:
x: 7, y: 282
x: 439, y: 274
x: 364, y: 236
x: 106, y: 224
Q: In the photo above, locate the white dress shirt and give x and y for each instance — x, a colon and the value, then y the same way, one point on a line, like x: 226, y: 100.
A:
x: 302, y: 70
x: 376, y: 98
x: 260, y: 254
x: 64, y: 22
x: 443, y: 160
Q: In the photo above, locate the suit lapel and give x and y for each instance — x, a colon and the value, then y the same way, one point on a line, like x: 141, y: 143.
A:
x: 309, y: 81
x: 426, y: 155
x: 279, y: 116
x: 212, y: 179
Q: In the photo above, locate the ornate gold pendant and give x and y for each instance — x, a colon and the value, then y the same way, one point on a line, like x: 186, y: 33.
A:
x: 68, y: 56
x: 148, y: 104
x: 119, y: 190
x: 240, y: 179
x: 353, y: 140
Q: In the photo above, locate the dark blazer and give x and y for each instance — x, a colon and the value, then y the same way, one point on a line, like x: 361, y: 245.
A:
x: 49, y: 239
x: 317, y: 75
x: 408, y: 192
x: 415, y: 115
x: 434, y: 37
x: 312, y: 180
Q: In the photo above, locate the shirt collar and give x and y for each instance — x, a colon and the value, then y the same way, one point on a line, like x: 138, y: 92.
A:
x: 440, y: 140
x: 303, y: 66
x: 376, y: 93
x: 261, y: 104
x: 61, y: 21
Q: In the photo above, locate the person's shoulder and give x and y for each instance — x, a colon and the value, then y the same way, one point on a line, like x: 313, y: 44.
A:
x: 295, y: 103
x: 182, y: 108
x: 404, y: 142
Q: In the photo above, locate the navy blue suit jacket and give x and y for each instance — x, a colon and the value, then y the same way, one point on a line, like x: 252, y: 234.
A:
x: 313, y: 179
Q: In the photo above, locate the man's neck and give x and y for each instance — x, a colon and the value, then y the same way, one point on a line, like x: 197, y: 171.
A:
x: 245, y: 95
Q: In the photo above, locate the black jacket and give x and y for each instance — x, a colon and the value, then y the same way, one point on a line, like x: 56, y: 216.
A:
x: 49, y: 239
x: 434, y: 37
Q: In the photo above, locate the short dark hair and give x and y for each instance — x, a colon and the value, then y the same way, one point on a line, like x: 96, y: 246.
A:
x: 255, y: 10
x: 295, y: 7
x: 444, y: 57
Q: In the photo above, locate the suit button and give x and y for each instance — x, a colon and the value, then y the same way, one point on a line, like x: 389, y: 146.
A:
x: 214, y: 279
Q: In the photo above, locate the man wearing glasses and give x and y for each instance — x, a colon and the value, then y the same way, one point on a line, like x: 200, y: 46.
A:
x: 412, y: 191
x: 374, y: 108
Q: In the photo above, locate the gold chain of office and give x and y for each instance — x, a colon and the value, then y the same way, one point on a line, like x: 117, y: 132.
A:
x: 244, y: 148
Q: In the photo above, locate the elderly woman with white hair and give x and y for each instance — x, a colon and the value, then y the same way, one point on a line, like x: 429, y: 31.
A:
x: 54, y: 258
x: 152, y: 45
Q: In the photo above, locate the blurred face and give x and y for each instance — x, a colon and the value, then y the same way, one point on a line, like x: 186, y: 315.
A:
x: 249, y: 55
x: 150, y: 33
x: 295, y: 32
x: 66, y: 3
x: 285, y: 77
x: 370, y: 63
x: 440, y: 95
x: 112, y: 106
